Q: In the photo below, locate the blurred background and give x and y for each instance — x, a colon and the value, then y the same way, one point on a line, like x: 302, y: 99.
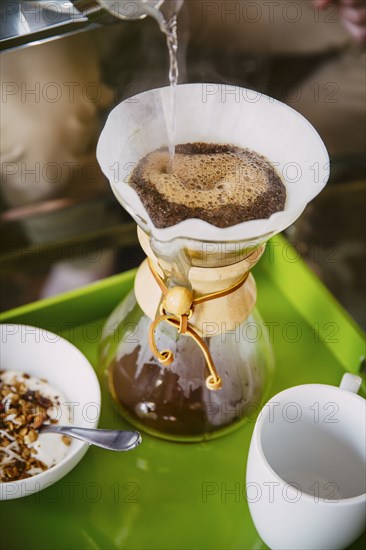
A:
x: 61, y: 227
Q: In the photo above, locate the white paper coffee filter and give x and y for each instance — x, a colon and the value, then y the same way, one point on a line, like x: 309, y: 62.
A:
x: 215, y: 113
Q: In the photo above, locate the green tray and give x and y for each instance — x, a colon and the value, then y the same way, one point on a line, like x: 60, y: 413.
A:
x: 169, y: 495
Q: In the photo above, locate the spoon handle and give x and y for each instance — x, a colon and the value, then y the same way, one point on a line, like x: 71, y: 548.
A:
x: 114, y: 440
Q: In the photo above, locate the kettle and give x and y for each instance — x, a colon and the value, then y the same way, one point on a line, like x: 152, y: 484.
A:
x: 27, y: 22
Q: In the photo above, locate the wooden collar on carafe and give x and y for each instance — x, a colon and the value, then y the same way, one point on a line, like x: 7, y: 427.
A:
x: 177, y: 308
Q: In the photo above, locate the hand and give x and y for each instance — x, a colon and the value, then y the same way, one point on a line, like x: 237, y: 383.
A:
x: 352, y: 14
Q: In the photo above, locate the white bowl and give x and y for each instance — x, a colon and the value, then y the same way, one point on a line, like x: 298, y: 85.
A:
x: 42, y: 354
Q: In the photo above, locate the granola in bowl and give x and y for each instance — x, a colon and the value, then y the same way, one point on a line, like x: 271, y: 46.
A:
x: 26, y: 403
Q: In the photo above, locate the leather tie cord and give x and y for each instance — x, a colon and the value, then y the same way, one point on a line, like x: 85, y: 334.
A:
x: 177, y: 309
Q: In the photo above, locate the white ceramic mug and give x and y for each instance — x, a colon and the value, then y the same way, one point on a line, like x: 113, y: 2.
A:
x: 306, y: 467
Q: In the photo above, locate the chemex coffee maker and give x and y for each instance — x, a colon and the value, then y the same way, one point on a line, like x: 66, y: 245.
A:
x: 186, y: 354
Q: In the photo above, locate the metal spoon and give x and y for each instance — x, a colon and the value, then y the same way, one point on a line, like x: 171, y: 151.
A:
x: 114, y: 440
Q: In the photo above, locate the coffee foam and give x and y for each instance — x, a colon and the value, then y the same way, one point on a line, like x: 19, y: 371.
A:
x: 206, y: 181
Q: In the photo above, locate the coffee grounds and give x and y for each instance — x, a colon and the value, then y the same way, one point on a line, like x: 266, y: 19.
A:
x: 221, y: 184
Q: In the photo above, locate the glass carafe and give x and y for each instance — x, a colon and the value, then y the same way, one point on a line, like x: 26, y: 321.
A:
x: 176, y: 400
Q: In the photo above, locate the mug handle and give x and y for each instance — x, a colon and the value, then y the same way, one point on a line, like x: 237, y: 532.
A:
x: 350, y: 382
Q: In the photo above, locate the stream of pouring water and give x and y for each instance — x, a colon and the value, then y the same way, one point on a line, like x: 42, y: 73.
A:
x: 172, y: 41
x: 169, y: 28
